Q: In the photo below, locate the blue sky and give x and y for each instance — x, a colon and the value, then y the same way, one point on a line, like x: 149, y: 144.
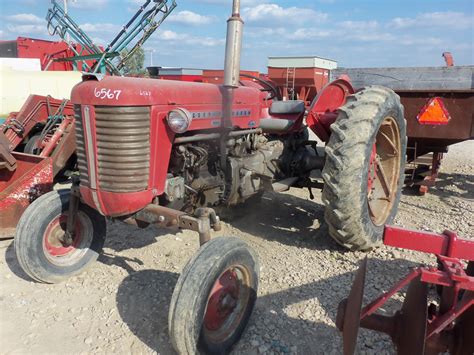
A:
x: 356, y: 33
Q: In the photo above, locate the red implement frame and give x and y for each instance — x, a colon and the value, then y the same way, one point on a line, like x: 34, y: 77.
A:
x: 32, y: 178
x: 25, y: 177
x: 421, y: 328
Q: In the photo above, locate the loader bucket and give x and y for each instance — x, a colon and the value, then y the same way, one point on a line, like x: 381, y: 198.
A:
x: 32, y: 178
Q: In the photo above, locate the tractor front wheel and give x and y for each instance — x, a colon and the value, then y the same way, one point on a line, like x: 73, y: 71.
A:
x: 39, y: 240
x: 214, y: 297
x: 364, y: 170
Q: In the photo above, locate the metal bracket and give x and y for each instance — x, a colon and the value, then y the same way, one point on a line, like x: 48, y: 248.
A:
x: 74, y: 199
x: 202, y: 222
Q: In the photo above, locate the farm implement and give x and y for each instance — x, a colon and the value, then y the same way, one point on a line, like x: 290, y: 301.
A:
x: 423, y: 325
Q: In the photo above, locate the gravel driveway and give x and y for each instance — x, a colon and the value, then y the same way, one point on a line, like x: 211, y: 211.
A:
x: 120, y: 305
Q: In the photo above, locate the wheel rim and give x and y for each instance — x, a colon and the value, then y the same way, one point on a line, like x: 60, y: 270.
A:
x: 227, y: 303
x: 56, y: 251
x: 384, y: 171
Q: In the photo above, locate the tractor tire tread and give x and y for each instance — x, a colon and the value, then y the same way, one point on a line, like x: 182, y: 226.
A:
x: 357, y: 123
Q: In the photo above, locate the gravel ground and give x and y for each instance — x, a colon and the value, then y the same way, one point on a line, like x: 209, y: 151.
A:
x: 120, y: 305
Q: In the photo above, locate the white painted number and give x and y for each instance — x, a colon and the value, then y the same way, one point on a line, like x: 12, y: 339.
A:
x: 107, y: 93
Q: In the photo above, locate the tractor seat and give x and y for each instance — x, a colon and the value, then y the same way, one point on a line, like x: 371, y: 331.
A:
x: 288, y: 107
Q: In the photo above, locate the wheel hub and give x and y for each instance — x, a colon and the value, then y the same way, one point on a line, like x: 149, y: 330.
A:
x: 222, y: 301
x: 54, y: 243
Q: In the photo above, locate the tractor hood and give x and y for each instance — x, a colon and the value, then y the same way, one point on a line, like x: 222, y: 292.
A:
x: 122, y: 91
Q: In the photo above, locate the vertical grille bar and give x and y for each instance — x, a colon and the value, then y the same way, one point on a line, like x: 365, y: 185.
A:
x: 123, y: 148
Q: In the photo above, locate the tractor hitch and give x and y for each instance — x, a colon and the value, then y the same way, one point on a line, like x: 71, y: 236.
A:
x: 204, y: 220
x: 419, y: 327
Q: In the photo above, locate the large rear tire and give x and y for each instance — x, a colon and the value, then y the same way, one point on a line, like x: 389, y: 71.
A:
x: 38, y: 246
x: 364, y: 170
x: 214, y: 297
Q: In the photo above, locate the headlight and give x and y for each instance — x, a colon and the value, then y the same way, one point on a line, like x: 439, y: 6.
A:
x: 179, y: 120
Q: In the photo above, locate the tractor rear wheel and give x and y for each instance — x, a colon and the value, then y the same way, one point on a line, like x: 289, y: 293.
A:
x: 364, y: 170
x: 214, y: 297
x: 39, y: 245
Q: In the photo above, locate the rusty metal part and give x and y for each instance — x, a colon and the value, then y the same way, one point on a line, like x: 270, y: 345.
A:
x: 163, y: 216
x: 7, y: 160
x: 123, y: 147
x: 204, y: 220
x: 32, y: 178
x: 448, y: 59
x: 412, y: 319
x: 348, y: 314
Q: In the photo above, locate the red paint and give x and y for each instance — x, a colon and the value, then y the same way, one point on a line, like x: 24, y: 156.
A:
x: 46, y: 52
x: 162, y: 96
x: 18, y: 189
x: 189, y: 78
x: 372, y: 175
x: 446, y: 244
x: 34, y: 111
x: 58, y: 225
x: 448, y: 58
x: 217, y: 312
x: 450, y: 251
x: 204, y: 101
x: 217, y: 76
x: 324, y: 109
x: 307, y: 82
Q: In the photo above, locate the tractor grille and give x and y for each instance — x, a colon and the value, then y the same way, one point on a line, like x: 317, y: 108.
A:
x: 123, y: 148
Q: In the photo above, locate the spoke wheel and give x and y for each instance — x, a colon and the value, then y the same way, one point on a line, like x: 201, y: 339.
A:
x: 384, y: 171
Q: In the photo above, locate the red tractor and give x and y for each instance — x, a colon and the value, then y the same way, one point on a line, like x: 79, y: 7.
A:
x: 167, y: 153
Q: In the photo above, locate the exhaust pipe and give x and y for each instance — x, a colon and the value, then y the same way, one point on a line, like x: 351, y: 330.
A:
x: 233, y: 47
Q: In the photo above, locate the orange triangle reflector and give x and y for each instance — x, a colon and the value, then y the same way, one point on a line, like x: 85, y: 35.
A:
x: 434, y: 113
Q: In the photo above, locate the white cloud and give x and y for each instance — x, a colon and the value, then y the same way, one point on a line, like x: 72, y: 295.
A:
x: 88, y: 4
x: 189, y: 18
x: 27, y: 29
x: 100, y: 27
x: 186, y: 38
x: 448, y: 19
x: 273, y: 13
x: 358, y: 25
x: 25, y: 18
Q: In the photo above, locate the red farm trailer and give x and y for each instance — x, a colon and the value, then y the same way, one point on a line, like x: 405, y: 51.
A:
x: 300, y: 78
x: 49, y: 53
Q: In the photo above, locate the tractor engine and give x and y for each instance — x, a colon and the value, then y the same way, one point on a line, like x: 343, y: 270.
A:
x: 196, y: 178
